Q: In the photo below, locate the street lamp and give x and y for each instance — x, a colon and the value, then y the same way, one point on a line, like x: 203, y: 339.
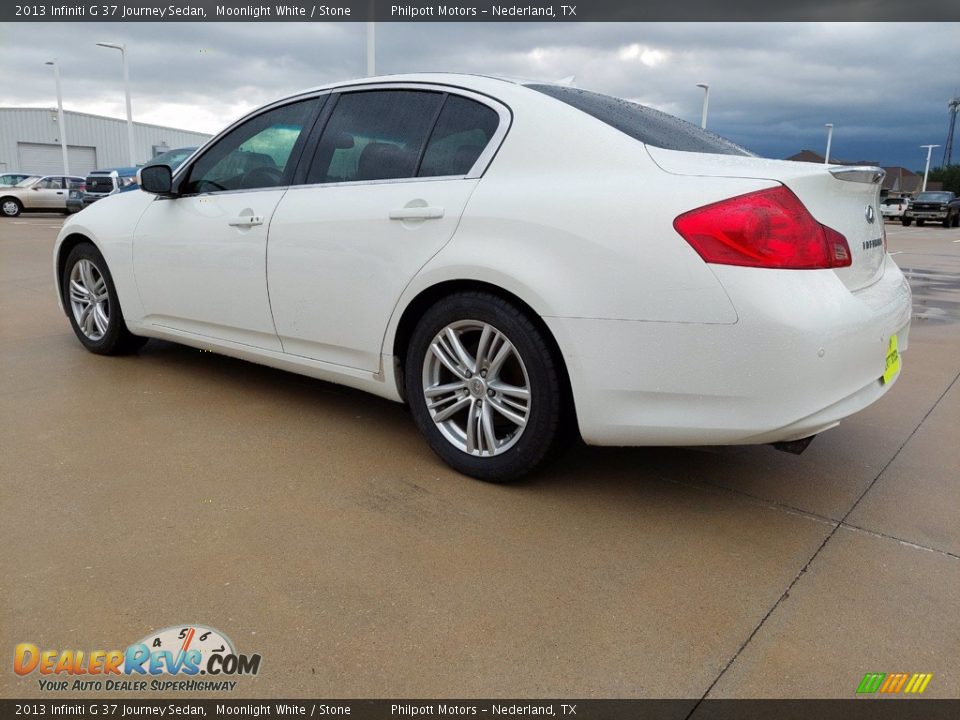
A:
x: 927, y: 169
x: 829, y: 127
x: 706, y: 103
x: 126, y: 83
x: 371, y: 48
x: 63, y: 131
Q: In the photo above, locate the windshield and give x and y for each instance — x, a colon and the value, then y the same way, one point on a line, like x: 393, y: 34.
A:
x: 28, y: 182
x: 933, y: 197
x: 649, y: 126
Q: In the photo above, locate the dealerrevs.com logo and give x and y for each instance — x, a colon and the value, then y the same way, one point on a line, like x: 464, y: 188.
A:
x: 184, y: 652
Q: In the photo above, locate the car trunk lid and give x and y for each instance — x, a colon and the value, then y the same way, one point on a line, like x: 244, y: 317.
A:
x: 844, y: 198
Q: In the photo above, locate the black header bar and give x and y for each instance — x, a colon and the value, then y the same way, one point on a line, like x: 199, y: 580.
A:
x: 407, y: 709
x: 477, y: 11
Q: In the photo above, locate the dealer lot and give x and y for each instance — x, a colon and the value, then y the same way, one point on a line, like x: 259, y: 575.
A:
x: 310, y: 524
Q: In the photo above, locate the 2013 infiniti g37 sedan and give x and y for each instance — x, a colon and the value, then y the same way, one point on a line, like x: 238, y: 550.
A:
x: 508, y: 258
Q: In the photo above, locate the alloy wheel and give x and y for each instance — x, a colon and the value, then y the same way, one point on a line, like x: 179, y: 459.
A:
x: 476, y: 388
x: 89, y: 300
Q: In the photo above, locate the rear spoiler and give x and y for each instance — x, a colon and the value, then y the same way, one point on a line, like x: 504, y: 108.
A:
x: 859, y: 173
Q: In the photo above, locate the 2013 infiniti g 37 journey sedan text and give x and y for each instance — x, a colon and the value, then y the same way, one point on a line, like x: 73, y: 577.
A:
x: 504, y: 257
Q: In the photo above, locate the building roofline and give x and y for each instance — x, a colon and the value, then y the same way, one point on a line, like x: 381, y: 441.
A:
x: 106, y: 117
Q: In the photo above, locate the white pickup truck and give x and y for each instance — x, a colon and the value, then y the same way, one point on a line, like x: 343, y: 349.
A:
x: 893, y: 207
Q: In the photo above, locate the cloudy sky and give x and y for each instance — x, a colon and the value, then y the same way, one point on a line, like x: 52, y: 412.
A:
x: 773, y: 86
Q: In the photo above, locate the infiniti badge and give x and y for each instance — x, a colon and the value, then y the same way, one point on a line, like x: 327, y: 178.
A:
x: 869, y: 212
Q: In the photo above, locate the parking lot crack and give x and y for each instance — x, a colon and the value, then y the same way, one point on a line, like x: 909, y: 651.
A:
x: 836, y: 526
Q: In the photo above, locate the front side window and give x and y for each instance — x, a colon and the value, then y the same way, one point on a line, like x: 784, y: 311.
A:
x: 51, y: 183
x: 375, y: 135
x: 257, y: 154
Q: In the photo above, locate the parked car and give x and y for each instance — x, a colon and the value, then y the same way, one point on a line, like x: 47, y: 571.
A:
x: 937, y: 205
x: 75, y: 194
x: 171, y: 158
x: 505, y: 258
x: 13, y: 178
x: 38, y: 193
x: 101, y: 183
x: 893, y: 207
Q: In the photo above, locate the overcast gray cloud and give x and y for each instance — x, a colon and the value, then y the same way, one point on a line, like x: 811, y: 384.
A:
x: 773, y: 86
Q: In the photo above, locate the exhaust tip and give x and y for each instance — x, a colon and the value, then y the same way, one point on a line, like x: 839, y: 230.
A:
x: 794, y: 447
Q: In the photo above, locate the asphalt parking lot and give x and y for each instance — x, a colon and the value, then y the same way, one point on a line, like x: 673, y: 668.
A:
x: 312, y: 525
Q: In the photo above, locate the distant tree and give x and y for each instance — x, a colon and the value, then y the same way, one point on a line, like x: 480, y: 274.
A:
x: 949, y: 176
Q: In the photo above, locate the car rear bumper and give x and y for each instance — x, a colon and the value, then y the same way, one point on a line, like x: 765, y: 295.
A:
x: 805, y: 353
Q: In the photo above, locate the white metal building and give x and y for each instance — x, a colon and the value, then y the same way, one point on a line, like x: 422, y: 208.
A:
x: 30, y: 141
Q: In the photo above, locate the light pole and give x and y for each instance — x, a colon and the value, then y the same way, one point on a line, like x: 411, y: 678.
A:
x: 126, y: 84
x: 63, y: 130
x: 371, y: 49
x: 706, y: 103
x: 927, y: 169
x: 829, y: 127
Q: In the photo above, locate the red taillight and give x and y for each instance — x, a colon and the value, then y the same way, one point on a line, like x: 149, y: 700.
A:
x: 768, y: 229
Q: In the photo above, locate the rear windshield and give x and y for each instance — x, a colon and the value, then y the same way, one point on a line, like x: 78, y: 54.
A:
x: 645, y: 124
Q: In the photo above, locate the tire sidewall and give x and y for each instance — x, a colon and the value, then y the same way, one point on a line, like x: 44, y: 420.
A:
x: 541, y: 429
x: 111, y: 339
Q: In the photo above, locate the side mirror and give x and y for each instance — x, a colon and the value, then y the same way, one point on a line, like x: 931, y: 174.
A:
x: 156, y: 179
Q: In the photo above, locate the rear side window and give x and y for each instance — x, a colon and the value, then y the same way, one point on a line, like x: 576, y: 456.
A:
x: 462, y: 132
x: 645, y: 124
x: 375, y: 135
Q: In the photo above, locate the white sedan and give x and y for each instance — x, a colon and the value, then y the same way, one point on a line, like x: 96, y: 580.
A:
x: 509, y: 259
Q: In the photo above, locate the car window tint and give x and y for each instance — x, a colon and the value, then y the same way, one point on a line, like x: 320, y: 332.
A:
x: 375, y: 135
x: 463, y: 130
x: 254, y: 155
x: 645, y: 124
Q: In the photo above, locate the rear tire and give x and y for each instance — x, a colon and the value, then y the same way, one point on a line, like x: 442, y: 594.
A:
x: 10, y: 207
x: 484, y: 387
x: 906, y: 222
x: 92, y: 305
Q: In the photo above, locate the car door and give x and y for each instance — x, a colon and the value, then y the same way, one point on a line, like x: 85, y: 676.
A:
x: 390, y: 176
x: 48, y: 193
x: 200, y: 256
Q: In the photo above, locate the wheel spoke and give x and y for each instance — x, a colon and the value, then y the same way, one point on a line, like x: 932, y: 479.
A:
x: 464, y: 358
x: 486, y: 335
x: 443, y: 355
x: 509, y: 413
x: 86, y: 278
x: 78, y: 293
x: 100, y: 318
x: 452, y: 410
x: 493, y: 371
x: 511, y: 390
x: 86, y: 320
x: 99, y: 290
x: 431, y: 392
x: 486, y: 421
x: 473, y: 418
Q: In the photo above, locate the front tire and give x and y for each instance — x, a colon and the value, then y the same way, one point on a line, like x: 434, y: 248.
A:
x: 906, y: 221
x: 90, y: 298
x: 10, y: 207
x: 921, y: 223
x: 484, y: 387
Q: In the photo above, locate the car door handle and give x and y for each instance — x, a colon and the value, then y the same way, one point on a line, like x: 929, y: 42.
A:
x: 245, y: 221
x: 417, y: 213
